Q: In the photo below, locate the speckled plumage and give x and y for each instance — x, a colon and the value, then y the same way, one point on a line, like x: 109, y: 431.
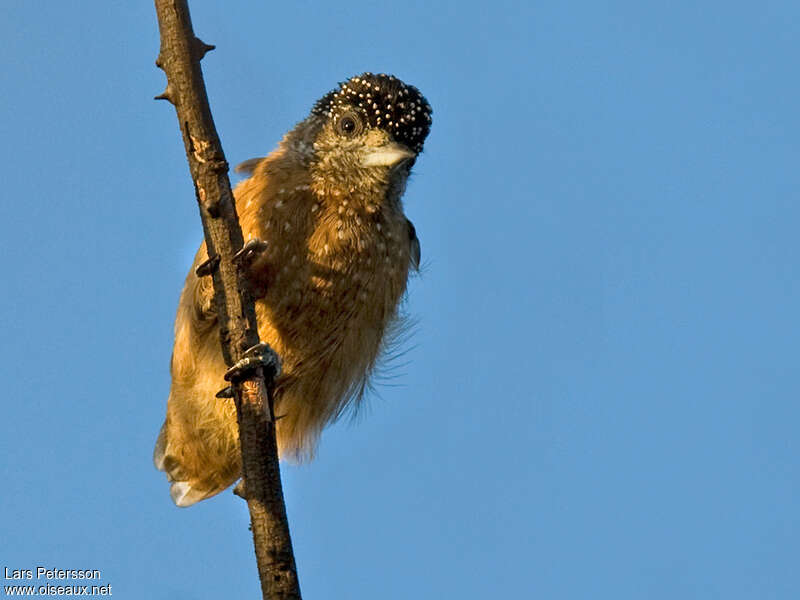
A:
x: 338, y: 254
x: 384, y: 101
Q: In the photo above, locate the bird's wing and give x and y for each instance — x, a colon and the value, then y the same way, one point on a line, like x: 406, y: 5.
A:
x: 416, y: 251
x: 248, y: 167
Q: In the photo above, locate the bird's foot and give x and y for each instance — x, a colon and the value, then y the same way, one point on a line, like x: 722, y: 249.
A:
x: 207, y: 267
x: 258, y: 356
x: 250, y: 251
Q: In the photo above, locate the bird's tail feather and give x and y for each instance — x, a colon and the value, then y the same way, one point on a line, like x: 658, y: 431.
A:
x: 181, y: 490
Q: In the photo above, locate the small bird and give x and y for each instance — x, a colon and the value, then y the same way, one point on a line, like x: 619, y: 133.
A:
x: 333, y: 254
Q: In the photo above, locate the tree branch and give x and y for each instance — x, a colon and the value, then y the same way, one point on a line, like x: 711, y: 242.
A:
x: 179, y: 57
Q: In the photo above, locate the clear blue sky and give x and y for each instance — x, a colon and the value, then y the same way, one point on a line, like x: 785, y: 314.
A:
x: 601, y: 397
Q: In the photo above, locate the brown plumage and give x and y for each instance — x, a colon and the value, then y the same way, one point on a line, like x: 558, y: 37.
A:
x: 337, y: 258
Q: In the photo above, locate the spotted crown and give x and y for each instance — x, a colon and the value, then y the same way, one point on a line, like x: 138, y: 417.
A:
x: 385, y: 102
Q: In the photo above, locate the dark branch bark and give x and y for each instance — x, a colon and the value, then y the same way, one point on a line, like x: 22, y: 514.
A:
x: 179, y: 57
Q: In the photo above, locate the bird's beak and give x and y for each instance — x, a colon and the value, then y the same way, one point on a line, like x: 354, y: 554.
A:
x: 387, y: 155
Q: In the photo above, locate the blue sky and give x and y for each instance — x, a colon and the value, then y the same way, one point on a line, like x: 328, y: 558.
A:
x: 600, y: 397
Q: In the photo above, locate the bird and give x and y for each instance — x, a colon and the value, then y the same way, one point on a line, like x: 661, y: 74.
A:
x: 334, y: 252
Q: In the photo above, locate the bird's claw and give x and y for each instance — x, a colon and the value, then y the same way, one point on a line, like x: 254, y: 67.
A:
x: 250, y: 251
x: 207, y: 267
x: 258, y: 356
x: 226, y: 392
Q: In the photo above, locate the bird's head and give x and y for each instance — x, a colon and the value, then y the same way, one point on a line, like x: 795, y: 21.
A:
x: 366, y: 133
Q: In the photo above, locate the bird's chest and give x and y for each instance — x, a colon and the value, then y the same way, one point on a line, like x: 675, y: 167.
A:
x: 363, y: 268
x: 343, y: 285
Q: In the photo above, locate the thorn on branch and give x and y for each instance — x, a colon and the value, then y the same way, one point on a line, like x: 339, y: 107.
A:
x: 167, y: 94
x: 200, y: 49
x: 160, y: 62
x: 207, y: 266
x: 239, y: 490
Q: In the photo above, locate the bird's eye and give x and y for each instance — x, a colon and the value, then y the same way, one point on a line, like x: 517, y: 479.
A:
x: 349, y: 124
